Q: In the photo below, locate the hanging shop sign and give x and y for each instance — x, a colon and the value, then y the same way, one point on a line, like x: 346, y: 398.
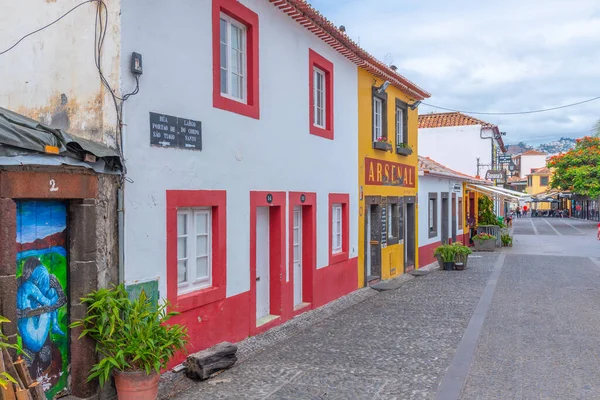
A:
x: 498, y: 175
x: 170, y: 131
x: 385, y: 173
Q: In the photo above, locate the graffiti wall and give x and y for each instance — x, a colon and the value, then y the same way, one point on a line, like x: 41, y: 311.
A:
x: 42, y: 291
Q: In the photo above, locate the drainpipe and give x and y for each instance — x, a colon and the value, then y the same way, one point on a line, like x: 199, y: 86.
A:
x: 120, y: 224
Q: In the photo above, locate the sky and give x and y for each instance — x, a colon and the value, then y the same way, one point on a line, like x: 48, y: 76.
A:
x: 489, y: 56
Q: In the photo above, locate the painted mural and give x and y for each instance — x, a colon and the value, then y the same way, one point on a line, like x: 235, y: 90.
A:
x: 41, y: 295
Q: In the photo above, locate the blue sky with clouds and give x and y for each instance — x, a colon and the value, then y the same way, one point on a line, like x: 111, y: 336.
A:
x: 509, y: 55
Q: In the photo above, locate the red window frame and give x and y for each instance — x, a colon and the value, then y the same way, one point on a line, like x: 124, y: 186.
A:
x: 249, y: 18
x: 316, y: 60
x: 344, y: 200
x: 217, y: 201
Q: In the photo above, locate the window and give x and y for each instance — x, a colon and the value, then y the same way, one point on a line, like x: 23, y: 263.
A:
x: 529, y: 181
x: 319, y: 98
x: 320, y: 82
x: 336, y: 229
x: 544, y: 180
x: 393, y: 221
x: 235, y: 58
x: 196, y: 247
x: 432, y: 215
x: 460, y: 213
x: 379, y: 115
x: 339, y: 228
x: 401, y: 123
x: 193, y: 249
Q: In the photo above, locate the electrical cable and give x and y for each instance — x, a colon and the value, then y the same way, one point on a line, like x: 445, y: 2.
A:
x: 515, y: 112
x: 46, y: 26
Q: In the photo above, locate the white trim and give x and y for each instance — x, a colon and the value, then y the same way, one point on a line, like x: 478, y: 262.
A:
x: 319, y: 93
x: 231, y: 23
x: 336, y: 228
x: 399, y: 126
x: 377, y: 119
x: 193, y: 281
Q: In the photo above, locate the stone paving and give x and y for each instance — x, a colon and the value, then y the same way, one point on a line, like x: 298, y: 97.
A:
x: 390, y: 345
x: 534, y: 333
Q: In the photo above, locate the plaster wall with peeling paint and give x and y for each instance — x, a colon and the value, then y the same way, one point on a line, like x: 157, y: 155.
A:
x: 51, y: 76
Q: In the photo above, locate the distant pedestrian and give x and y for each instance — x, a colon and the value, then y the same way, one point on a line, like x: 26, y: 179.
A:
x: 518, y: 212
x: 598, y: 235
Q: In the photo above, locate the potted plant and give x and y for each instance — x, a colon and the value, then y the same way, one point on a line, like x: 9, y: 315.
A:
x: 446, y: 253
x: 462, y: 255
x: 403, y: 149
x: 5, y: 378
x: 133, y: 339
x: 506, y: 240
x: 382, y: 143
x: 484, y: 242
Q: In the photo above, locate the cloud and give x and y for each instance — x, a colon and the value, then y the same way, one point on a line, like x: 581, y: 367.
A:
x: 512, y: 55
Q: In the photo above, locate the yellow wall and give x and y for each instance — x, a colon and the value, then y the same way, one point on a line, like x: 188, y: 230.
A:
x: 392, y: 256
x: 537, y: 188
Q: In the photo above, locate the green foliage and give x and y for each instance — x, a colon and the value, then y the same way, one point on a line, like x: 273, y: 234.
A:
x: 483, y: 236
x: 578, y: 170
x: 130, y: 335
x: 447, y: 252
x: 461, y: 251
x: 486, y: 212
x: 506, y: 239
x: 5, y: 378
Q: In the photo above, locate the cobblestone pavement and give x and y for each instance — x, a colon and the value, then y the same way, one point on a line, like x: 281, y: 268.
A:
x: 541, y: 335
x: 390, y: 345
x: 521, y: 324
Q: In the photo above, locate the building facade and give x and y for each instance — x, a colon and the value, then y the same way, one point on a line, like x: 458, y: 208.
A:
x: 529, y: 161
x: 538, y: 182
x: 387, y: 176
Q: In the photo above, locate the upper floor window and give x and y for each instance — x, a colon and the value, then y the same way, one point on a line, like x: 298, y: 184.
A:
x: 377, y: 119
x: 402, y: 146
x: 233, y: 58
x: 319, y: 98
x: 320, y: 84
x: 544, y: 180
x: 339, y: 227
x: 399, y: 126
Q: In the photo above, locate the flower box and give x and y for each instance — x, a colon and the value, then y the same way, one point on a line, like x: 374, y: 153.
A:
x: 484, y: 245
x: 404, y: 151
x: 384, y: 146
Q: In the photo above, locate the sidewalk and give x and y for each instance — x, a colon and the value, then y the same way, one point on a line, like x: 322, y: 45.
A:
x: 367, y: 345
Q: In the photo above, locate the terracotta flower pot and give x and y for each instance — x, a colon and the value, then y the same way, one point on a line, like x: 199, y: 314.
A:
x: 136, y: 385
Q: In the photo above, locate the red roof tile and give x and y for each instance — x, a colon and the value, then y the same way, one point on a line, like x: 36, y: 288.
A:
x: 426, y: 164
x: 314, y: 21
x: 533, y: 153
x: 438, y: 120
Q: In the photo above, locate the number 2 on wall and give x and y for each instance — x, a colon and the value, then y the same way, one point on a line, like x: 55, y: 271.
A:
x: 53, y: 187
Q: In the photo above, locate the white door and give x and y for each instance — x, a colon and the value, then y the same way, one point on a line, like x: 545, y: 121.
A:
x: 297, y: 243
x: 262, y: 262
x: 368, y: 244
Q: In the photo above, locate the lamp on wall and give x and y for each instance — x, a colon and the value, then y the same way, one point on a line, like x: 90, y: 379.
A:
x: 415, y: 105
x: 381, y: 89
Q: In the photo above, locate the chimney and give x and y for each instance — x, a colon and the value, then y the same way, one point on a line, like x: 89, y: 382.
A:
x: 342, y: 28
x: 394, y: 68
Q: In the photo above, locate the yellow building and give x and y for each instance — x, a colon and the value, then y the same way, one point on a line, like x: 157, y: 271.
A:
x: 538, y: 182
x: 387, y: 152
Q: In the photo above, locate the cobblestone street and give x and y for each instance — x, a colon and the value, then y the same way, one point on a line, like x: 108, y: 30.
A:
x: 515, y: 324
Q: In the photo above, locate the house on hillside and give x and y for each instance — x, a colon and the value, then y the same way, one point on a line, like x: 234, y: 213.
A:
x: 460, y: 142
x: 528, y: 161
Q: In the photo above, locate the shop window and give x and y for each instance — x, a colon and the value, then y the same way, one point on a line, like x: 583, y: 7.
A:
x: 393, y: 223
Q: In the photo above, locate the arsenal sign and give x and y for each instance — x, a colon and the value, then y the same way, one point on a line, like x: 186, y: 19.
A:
x: 385, y: 173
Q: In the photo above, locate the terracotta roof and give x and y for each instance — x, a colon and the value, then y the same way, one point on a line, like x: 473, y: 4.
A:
x: 533, y: 153
x: 438, y: 120
x: 516, y: 179
x: 542, y: 171
x: 428, y: 165
x: 307, y: 16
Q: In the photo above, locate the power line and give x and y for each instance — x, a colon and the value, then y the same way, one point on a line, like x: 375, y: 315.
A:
x: 46, y: 26
x: 514, y: 112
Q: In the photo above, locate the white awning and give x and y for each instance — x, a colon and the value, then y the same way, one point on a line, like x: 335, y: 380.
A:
x: 487, y: 190
x: 513, y: 192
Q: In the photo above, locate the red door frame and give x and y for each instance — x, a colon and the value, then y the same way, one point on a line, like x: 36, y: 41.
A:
x: 309, y: 248
x: 276, y: 255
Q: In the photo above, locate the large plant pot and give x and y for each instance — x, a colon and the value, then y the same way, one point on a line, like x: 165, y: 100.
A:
x: 448, y: 265
x: 484, y: 245
x: 136, y: 385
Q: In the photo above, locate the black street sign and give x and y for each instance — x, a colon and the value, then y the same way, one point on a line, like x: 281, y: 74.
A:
x: 170, y: 131
x: 504, y: 158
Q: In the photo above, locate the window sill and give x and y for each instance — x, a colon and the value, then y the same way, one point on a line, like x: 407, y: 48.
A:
x: 383, y: 146
x: 432, y: 235
x: 404, y: 151
x: 338, y: 258
x: 322, y: 132
x: 234, y: 106
x: 392, y: 241
x: 199, y: 298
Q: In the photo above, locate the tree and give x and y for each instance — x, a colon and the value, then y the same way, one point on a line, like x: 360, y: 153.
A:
x: 578, y: 170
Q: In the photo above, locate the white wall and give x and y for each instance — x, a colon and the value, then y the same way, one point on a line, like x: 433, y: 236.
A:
x: 240, y: 154
x: 433, y: 184
x: 532, y: 161
x: 456, y: 147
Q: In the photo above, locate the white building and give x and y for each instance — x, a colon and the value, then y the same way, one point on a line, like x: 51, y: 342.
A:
x: 529, y: 161
x: 441, y: 218
x: 458, y: 141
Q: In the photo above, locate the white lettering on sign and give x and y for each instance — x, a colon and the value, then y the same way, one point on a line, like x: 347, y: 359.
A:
x: 53, y: 187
